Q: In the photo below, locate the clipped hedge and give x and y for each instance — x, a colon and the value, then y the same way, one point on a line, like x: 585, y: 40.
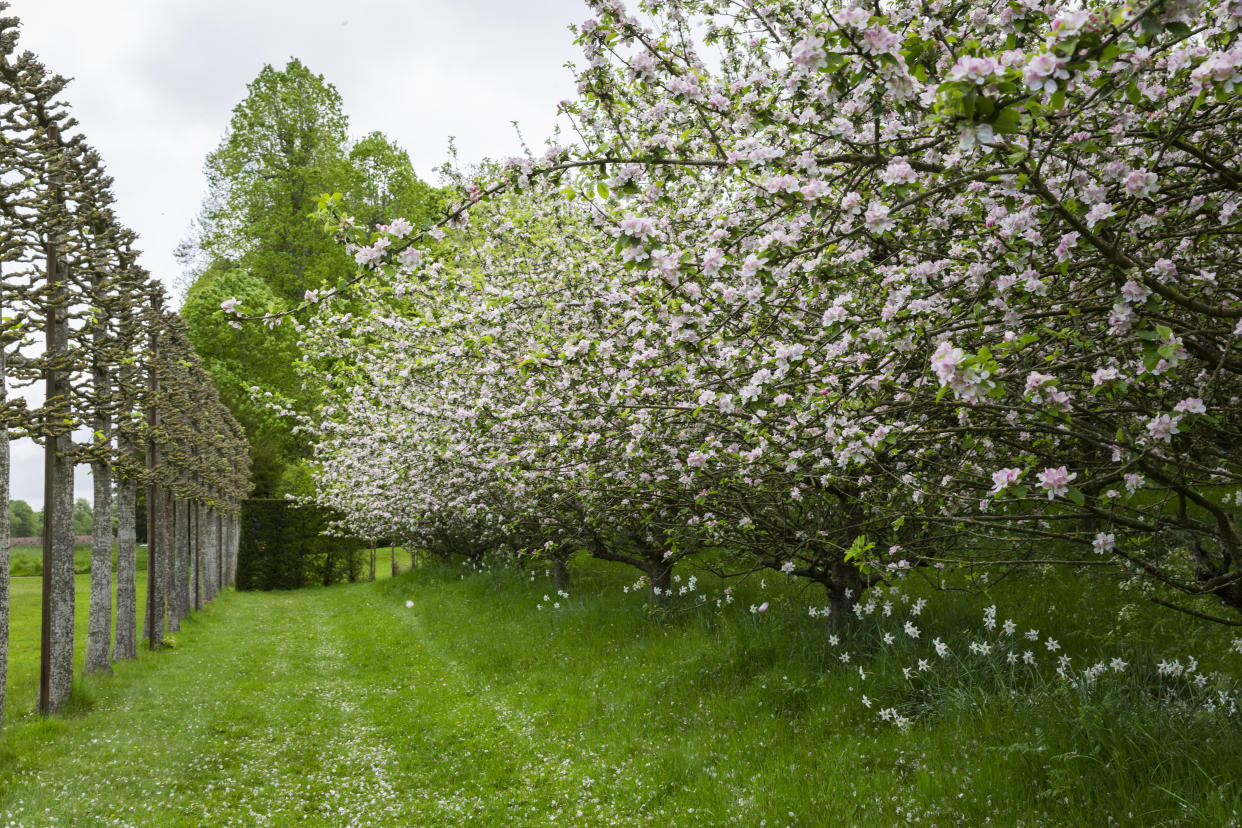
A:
x: 284, y: 546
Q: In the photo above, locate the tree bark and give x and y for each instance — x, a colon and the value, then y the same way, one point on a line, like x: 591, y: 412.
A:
x: 99, y: 624
x: 196, y: 510
x: 157, y: 565
x: 166, y: 560
x: 56, y: 669
x: 209, y: 555
x: 220, y: 553
x: 181, y: 574
x: 4, y: 542
x: 157, y: 552
x: 126, y: 565
x: 234, y: 535
x: 392, y: 551
x: 661, y: 576
x: 560, y: 574
x: 58, y: 575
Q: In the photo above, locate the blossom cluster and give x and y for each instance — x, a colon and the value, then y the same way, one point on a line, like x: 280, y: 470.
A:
x: 845, y: 298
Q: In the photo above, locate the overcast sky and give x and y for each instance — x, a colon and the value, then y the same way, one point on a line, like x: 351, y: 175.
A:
x: 155, y: 81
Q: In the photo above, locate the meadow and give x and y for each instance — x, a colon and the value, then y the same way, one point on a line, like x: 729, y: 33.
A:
x: 453, y: 695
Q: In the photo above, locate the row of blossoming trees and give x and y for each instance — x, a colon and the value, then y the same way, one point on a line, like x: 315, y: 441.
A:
x: 852, y: 292
x: 81, y: 318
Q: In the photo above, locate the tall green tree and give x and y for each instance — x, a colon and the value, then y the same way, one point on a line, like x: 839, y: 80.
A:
x: 23, y: 521
x: 286, y: 144
x: 383, y: 185
x: 83, y: 517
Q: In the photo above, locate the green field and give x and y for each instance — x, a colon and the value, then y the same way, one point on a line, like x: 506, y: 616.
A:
x: 28, y: 560
x: 485, y: 704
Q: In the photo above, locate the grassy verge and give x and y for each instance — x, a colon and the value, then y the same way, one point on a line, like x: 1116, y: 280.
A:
x: 485, y: 703
x: 24, y: 633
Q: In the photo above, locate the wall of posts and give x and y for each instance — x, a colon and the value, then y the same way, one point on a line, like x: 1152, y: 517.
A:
x: 79, y: 317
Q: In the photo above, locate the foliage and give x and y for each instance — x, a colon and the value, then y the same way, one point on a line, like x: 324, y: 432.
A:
x: 284, y: 546
x: 383, y: 184
x: 873, y: 292
x: 255, y: 244
x: 285, y: 143
x: 24, y: 522
x: 243, y: 358
x: 83, y: 517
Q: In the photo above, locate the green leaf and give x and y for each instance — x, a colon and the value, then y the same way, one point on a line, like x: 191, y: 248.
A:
x: 1178, y: 29
x: 1076, y: 495
x: 1007, y: 121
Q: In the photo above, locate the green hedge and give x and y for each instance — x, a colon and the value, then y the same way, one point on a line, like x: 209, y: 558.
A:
x: 283, y: 546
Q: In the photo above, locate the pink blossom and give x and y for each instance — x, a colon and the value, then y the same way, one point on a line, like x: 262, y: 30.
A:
x: 398, y: 228
x: 1163, y: 427
x: 713, y: 259
x: 1098, y: 213
x: 877, y: 218
x: 1164, y: 268
x: 808, y: 53
x: 977, y: 69
x: 1056, y: 481
x: 880, y: 40
x: 637, y: 228
x: 1042, y: 73
x: 899, y: 171
x: 1065, y: 245
x: 1004, y: 478
x: 410, y: 257
x: 1103, y: 375
x: 1140, y: 183
x: 945, y: 361
x: 1191, y: 405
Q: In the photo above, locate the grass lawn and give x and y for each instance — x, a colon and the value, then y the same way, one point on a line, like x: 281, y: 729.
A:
x: 24, y: 632
x: 485, y: 704
x: 28, y: 560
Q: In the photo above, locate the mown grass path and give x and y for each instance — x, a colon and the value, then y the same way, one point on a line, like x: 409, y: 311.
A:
x: 273, y: 709
x: 343, y: 706
x: 322, y: 706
